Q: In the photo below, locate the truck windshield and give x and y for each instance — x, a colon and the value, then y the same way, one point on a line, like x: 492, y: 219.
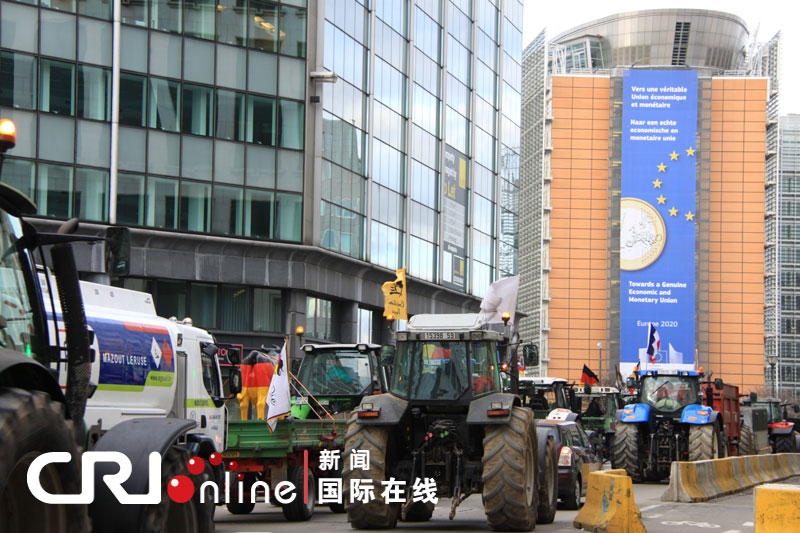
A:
x: 340, y: 372
x: 669, y: 393
x: 15, y: 307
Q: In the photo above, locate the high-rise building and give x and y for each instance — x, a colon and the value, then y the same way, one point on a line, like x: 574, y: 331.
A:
x: 276, y: 161
x: 786, y: 209
x: 645, y: 150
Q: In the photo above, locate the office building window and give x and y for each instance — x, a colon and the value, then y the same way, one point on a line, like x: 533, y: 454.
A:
x: 267, y: 310
x: 17, y: 80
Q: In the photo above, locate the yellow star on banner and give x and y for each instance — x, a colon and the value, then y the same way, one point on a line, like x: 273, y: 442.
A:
x: 673, y: 156
x: 662, y: 167
x: 690, y: 216
x: 673, y: 212
x: 657, y: 184
x: 690, y: 151
x: 661, y: 199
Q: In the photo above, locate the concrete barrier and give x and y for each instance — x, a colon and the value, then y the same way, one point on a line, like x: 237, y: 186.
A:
x: 609, y: 504
x: 700, y: 481
x: 777, y: 508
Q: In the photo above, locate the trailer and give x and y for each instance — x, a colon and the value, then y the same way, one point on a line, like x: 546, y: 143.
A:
x: 254, y: 454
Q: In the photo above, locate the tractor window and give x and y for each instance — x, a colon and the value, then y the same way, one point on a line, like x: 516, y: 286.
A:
x: 593, y: 406
x: 484, y: 369
x: 669, y: 393
x: 439, y: 370
x: 15, y: 305
x: 336, y: 373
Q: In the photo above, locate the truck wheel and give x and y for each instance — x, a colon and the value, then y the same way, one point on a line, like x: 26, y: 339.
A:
x: 548, y: 492
x: 298, y: 510
x: 625, y: 450
x: 784, y: 444
x: 704, y: 443
x: 573, y: 500
x: 746, y: 446
x: 420, y: 512
x: 240, y: 508
x: 509, y: 473
x: 169, y: 515
x: 30, y: 424
x: 375, y: 514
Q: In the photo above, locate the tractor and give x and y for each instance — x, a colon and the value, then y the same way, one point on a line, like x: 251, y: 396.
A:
x: 669, y: 422
x: 781, y: 431
x: 597, y: 409
x: 447, y: 419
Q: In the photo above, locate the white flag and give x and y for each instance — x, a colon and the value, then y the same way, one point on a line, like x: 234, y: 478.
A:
x: 278, y: 401
x: 501, y: 298
x: 675, y: 357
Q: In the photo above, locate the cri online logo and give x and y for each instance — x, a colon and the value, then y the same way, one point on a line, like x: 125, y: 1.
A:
x: 180, y: 488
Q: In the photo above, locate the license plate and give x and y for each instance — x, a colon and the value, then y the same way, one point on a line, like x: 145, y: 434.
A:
x: 440, y: 336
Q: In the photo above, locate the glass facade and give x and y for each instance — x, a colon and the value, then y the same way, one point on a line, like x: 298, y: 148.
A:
x: 198, y: 119
x: 786, y: 196
x: 387, y: 121
x: 215, y: 105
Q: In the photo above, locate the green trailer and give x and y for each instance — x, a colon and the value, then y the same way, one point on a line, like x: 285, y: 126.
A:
x: 254, y: 454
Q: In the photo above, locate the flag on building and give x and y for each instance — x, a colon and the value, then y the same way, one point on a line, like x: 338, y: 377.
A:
x: 501, y: 298
x: 278, y: 401
x: 653, y: 343
x: 588, y: 377
x: 394, y: 297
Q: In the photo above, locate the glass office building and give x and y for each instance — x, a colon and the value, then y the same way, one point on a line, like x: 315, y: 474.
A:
x: 259, y: 195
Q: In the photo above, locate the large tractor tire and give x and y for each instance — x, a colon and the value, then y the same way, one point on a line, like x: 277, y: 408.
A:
x: 784, y: 443
x: 625, y: 450
x: 705, y: 442
x: 30, y: 425
x: 548, y: 491
x: 747, y: 445
x: 169, y: 515
x: 510, y: 491
x: 375, y: 514
x: 299, y: 510
x: 420, y: 512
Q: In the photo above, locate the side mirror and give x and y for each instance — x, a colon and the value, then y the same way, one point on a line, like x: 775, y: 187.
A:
x: 718, y: 383
x: 630, y: 383
x: 530, y: 354
x: 796, y: 408
x: 753, y: 396
x: 235, y: 382
x: 118, y: 251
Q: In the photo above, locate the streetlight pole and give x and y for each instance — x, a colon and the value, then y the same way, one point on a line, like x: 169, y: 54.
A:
x: 600, y: 358
x: 772, y: 359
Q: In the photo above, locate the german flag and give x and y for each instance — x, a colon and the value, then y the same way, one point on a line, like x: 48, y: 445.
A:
x: 588, y: 377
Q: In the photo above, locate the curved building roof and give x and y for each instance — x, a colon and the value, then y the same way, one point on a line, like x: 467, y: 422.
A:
x: 697, y: 38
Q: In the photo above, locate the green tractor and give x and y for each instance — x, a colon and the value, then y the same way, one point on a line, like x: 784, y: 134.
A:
x: 543, y: 394
x: 448, y: 424
x: 597, y: 408
x: 334, y: 377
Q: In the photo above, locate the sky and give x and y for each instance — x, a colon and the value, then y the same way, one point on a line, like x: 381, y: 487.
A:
x: 768, y: 15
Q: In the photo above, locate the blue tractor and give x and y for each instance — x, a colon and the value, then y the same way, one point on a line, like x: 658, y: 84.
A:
x: 668, y: 422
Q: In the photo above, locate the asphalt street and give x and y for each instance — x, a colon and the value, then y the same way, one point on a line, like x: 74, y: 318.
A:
x: 729, y: 514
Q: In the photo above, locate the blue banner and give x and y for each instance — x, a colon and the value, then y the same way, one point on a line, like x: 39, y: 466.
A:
x: 657, y: 219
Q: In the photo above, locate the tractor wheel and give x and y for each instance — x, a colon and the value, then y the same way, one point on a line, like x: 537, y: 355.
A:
x: 420, y: 512
x: 30, y: 424
x: 297, y: 510
x: 784, y: 444
x: 625, y: 450
x: 705, y: 443
x: 548, y: 492
x: 746, y: 443
x: 375, y: 514
x: 509, y: 473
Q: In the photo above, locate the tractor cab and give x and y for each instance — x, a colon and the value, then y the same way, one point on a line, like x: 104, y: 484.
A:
x: 670, y: 393
x: 334, y: 378
x: 428, y: 367
x: 545, y: 394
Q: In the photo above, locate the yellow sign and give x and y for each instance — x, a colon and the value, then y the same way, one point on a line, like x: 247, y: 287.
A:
x: 394, y: 295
